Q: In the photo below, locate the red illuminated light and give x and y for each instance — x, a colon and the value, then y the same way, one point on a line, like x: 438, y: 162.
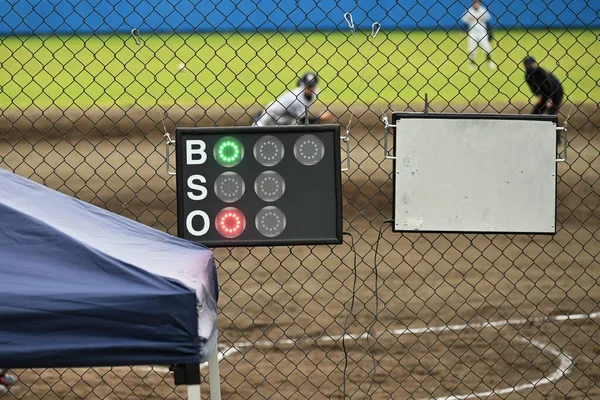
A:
x: 230, y: 222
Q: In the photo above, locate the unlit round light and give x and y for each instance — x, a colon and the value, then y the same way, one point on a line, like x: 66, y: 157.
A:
x: 230, y: 222
x: 309, y: 150
x: 269, y: 186
x: 270, y: 221
x: 229, y: 187
x: 228, y: 151
x: 268, y: 151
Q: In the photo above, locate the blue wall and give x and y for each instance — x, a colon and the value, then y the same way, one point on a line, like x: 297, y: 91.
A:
x: 107, y: 16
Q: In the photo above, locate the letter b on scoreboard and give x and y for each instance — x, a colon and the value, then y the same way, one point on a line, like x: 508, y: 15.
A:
x: 259, y: 186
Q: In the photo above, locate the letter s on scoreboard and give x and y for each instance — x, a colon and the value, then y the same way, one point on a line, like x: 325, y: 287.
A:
x: 191, y: 182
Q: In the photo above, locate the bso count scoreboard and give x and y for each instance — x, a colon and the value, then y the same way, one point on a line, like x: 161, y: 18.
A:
x: 259, y: 186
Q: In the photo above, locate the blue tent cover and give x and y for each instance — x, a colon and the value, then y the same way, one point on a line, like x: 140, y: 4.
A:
x: 66, y: 301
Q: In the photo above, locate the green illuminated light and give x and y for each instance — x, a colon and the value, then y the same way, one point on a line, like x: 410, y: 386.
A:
x: 228, y: 151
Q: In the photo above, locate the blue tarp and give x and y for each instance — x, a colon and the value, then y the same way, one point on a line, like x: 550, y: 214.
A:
x: 80, y: 286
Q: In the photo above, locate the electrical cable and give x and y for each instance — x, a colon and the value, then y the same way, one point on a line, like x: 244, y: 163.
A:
x: 376, y: 313
x: 351, y: 312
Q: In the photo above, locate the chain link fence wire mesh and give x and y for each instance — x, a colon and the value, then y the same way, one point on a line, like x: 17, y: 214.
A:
x: 84, y: 106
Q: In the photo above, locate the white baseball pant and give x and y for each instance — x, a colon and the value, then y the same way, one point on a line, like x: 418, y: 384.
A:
x: 478, y: 40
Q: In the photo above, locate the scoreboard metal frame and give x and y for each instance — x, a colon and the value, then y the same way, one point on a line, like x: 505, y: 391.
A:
x: 328, y: 192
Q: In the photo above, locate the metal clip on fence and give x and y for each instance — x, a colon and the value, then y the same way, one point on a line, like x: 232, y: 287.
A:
x: 566, y: 143
x: 346, y: 139
x: 349, y: 20
x: 136, y: 36
x: 375, y: 28
x: 387, y: 125
x: 168, y: 142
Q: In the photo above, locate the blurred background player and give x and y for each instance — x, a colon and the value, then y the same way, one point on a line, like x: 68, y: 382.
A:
x: 545, y: 86
x: 477, y: 21
x: 291, y: 107
x: 7, y: 379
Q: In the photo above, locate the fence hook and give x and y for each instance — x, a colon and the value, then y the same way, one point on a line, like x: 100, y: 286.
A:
x: 168, y: 139
x: 385, y: 121
x: 375, y: 28
x: 349, y: 20
x: 136, y: 35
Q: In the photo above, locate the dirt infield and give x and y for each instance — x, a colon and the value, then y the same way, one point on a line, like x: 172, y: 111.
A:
x: 270, y: 295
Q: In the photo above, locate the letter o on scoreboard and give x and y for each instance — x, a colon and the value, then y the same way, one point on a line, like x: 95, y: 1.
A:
x: 259, y: 186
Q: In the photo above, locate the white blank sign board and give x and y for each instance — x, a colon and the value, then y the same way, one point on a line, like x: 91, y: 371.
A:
x: 475, y: 173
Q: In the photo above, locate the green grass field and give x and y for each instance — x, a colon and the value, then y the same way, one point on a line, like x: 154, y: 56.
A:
x: 226, y: 69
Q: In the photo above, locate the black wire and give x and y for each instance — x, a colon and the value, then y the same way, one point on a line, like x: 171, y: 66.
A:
x: 376, y: 294
x: 350, y: 313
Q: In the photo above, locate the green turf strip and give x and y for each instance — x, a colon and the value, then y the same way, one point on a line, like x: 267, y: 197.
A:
x: 227, y: 69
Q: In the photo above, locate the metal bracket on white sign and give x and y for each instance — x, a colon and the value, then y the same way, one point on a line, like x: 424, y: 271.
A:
x: 346, y: 139
x: 169, y: 142
x: 387, y: 125
x: 566, y: 143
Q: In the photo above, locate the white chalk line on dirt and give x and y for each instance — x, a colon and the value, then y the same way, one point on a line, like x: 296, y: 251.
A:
x: 562, y: 369
x: 564, y: 366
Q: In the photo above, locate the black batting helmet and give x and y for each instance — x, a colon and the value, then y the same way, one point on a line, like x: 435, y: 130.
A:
x: 309, y: 79
x: 529, y: 60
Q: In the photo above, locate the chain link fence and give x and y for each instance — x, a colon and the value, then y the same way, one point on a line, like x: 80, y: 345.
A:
x: 83, y: 109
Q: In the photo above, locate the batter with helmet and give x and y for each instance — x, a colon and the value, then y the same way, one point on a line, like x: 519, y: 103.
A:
x: 291, y: 107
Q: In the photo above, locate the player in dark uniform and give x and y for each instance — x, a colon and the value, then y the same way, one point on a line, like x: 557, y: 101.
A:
x: 545, y: 86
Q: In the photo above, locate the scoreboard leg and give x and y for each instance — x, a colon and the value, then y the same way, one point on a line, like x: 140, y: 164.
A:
x: 214, y: 376
x: 194, y: 392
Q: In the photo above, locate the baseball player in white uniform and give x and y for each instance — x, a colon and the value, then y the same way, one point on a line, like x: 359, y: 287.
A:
x: 291, y: 107
x: 477, y: 19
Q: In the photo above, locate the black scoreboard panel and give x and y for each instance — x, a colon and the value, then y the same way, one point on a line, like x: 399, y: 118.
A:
x: 259, y: 186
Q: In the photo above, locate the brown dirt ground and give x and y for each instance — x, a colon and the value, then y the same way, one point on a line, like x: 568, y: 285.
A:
x: 115, y: 159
